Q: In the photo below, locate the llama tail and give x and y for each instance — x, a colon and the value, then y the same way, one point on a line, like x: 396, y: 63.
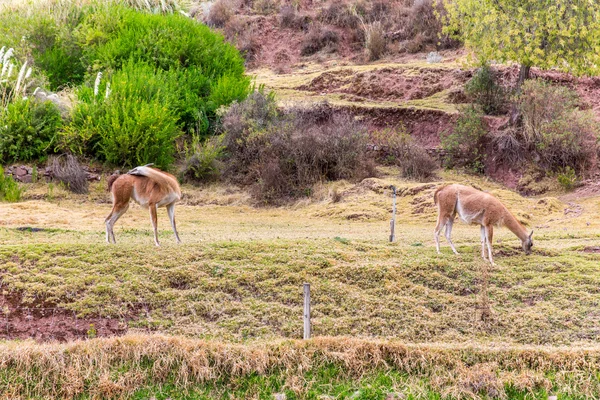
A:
x: 435, y: 194
x: 110, y: 180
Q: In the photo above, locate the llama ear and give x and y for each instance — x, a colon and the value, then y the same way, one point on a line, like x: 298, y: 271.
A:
x: 530, y: 235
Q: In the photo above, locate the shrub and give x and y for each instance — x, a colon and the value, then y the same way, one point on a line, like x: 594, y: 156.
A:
x: 10, y: 191
x: 567, y: 178
x: 66, y: 169
x: 283, y: 156
x: 219, y: 14
x: 465, y: 145
x: 554, y: 131
x: 339, y: 14
x: 265, y: 7
x: 319, y: 38
x: 28, y: 130
x: 396, y: 147
x: 298, y: 156
x: 135, y: 123
x: 289, y: 18
x: 375, y: 42
x: 203, y: 160
x: 166, y: 42
x: 56, y: 51
x: 484, y: 90
x: 420, y: 27
x: 509, y: 148
x: 244, y: 125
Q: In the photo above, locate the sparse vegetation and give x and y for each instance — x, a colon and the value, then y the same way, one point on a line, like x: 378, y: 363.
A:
x: 375, y: 42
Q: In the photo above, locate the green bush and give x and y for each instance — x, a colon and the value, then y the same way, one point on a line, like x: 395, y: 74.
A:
x: 203, y: 160
x: 567, y: 178
x: 28, y: 130
x: 114, y: 35
x: 9, y: 189
x: 485, y: 91
x: 465, y: 145
x: 131, y: 122
x: 56, y: 51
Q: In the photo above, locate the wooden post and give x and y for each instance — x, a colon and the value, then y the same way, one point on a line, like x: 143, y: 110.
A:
x: 393, y: 221
x: 307, y: 311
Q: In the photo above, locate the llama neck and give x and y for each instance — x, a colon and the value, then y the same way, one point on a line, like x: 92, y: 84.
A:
x: 515, y: 226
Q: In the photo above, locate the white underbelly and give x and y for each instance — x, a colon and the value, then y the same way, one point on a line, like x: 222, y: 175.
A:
x: 469, y: 217
x: 168, y: 199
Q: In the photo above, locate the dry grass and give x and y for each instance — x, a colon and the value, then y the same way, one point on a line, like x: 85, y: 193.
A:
x: 66, y: 169
x: 291, y: 88
x: 116, y: 367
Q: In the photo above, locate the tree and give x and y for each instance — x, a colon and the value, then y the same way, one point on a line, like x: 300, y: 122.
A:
x: 561, y: 34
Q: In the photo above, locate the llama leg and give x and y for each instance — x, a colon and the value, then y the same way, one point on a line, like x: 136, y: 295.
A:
x: 449, y: 232
x: 436, y: 233
x: 107, y: 225
x: 112, y: 218
x: 171, y: 213
x: 489, y: 234
x: 483, y: 241
x: 154, y: 221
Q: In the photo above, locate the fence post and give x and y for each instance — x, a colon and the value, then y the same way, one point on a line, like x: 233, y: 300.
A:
x: 306, y: 311
x: 393, y: 221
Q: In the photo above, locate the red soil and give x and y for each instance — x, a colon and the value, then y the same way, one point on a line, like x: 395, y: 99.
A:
x: 46, y: 322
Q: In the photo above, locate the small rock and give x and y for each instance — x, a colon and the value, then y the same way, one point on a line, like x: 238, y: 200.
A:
x: 20, y: 171
x: 279, y: 396
x: 25, y: 179
x: 552, y: 397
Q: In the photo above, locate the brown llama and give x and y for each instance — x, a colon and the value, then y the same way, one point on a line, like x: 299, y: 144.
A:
x: 149, y: 187
x: 475, y: 207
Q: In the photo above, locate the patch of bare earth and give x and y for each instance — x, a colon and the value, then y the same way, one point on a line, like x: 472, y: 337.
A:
x: 388, y: 84
x: 46, y: 322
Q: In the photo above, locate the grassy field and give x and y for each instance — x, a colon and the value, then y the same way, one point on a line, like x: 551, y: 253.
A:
x: 239, y: 273
x: 238, y: 276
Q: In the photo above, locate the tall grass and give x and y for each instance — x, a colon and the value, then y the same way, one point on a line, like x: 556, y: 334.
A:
x: 116, y: 367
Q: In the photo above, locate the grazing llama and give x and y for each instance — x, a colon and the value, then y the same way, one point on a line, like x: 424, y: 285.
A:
x: 475, y: 207
x: 149, y: 187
